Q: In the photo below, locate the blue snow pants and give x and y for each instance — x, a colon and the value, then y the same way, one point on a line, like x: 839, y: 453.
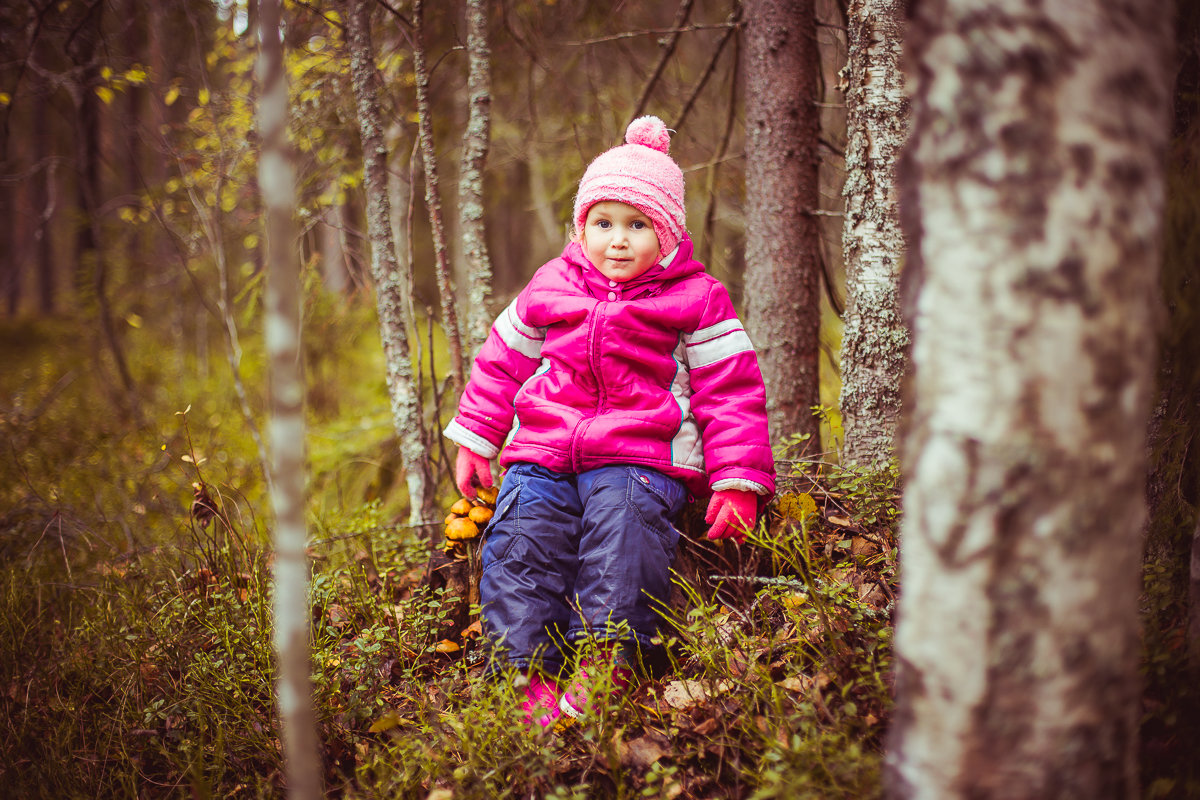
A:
x: 568, y: 556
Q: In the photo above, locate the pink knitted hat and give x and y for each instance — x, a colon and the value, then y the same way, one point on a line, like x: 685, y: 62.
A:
x: 641, y: 174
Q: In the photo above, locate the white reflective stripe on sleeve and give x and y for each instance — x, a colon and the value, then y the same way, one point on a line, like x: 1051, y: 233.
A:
x: 739, y: 483
x: 717, y: 342
x: 517, y: 335
x: 713, y: 331
x: 461, y: 435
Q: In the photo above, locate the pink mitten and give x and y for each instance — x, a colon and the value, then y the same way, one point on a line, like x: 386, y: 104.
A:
x: 468, y: 465
x: 731, y: 512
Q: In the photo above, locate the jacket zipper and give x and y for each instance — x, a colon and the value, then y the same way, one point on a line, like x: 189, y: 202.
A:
x: 576, y: 456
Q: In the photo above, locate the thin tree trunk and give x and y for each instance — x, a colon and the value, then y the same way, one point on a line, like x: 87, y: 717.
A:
x: 471, y: 227
x: 875, y: 340
x: 44, y: 196
x: 1033, y: 204
x: 783, y: 265
x: 434, y: 203
x: 135, y: 43
x: 301, y: 749
x: 93, y: 261
x: 389, y: 280
x: 1194, y: 602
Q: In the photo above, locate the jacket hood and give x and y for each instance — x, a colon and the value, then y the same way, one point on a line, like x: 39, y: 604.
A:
x: 680, y: 265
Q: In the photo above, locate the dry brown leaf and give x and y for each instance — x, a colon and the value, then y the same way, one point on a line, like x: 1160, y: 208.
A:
x: 796, y: 683
x: 644, y: 750
x: 685, y: 693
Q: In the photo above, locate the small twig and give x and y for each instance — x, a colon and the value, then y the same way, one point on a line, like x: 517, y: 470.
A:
x: 698, y: 26
x: 708, y: 70
x: 685, y: 11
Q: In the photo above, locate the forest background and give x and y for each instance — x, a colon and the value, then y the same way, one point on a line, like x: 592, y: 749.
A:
x: 136, y: 656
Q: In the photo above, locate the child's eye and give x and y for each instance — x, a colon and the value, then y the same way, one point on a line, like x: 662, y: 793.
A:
x: 603, y: 224
x: 638, y: 225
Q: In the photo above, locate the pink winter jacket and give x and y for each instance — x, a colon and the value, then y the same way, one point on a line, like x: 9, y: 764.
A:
x: 656, y: 371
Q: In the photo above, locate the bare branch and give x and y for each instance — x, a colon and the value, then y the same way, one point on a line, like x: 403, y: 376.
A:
x: 681, y: 16
x: 698, y: 26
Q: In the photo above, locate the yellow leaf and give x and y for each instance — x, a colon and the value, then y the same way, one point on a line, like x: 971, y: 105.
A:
x: 251, y: 241
x: 134, y: 320
x: 172, y: 96
x: 136, y: 76
x: 228, y: 201
x: 5, y: 99
x: 389, y: 720
x: 105, y: 94
x: 106, y: 73
x: 797, y: 506
x: 203, y: 97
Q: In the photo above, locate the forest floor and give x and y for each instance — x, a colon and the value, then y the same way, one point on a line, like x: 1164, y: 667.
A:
x: 135, y: 615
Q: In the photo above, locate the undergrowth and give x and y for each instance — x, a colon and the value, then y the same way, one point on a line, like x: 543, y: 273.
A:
x: 135, y: 608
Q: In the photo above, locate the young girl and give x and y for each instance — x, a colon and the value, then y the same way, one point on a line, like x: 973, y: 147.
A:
x: 618, y: 382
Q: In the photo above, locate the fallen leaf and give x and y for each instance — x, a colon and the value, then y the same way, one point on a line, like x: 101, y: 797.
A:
x: 685, y: 693
x: 796, y: 683
x: 386, y: 722
x: 644, y: 750
x: 837, y: 520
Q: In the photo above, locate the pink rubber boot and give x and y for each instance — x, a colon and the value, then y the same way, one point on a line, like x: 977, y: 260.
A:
x: 541, y: 701
x: 574, y: 701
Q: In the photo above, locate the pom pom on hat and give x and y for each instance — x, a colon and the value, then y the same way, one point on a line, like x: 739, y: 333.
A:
x: 651, y: 132
x: 639, y: 173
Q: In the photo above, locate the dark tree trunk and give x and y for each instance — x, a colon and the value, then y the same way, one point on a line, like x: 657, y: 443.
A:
x: 783, y: 266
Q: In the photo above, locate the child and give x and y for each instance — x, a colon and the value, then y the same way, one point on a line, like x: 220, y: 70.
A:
x: 618, y: 382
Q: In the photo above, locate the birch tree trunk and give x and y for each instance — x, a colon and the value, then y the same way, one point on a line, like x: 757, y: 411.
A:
x: 782, y: 257
x: 389, y: 282
x: 301, y: 751
x: 875, y: 339
x: 471, y: 228
x: 434, y: 203
x: 1033, y: 198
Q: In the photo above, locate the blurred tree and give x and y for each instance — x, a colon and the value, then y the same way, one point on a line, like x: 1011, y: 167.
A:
x: 875, y: 340
x: 783, y: 266
x: 93, y: 258
x: 292, y: 619
x: 1033, y: 201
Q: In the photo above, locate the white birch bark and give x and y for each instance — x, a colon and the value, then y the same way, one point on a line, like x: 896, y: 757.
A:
x: 875, y: 339
x: 301, y: 751
x: 389, y: 281
x: 472, y: 231
x: 1033, y: 198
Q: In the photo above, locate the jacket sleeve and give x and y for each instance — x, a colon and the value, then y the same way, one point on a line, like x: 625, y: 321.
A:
x: 509, y: 356
x: 729, y: 400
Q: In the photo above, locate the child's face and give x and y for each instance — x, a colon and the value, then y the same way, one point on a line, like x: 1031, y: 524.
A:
x: 619, y: 240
